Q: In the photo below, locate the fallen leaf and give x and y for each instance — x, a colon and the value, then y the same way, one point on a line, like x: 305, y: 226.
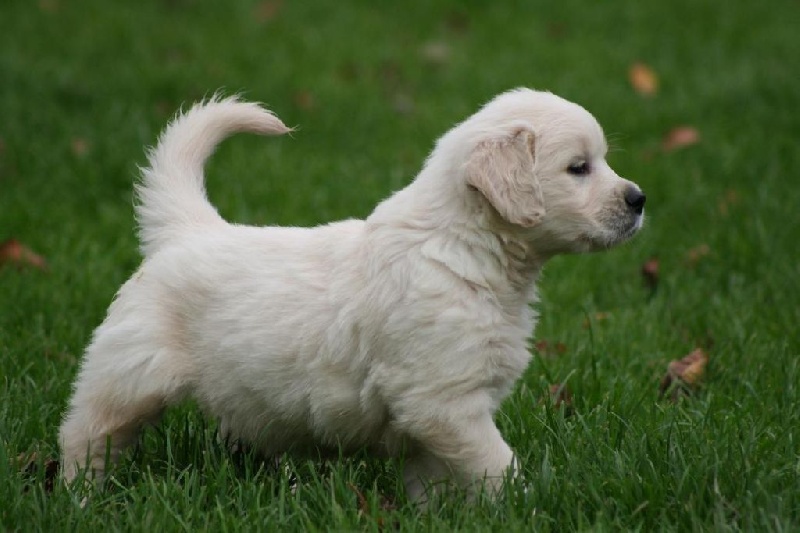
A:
x: 15, y: 253
x: 436, y: 52
x: 51, y: 468
x: 267, y: 11
x: 363, y: 505
x: 384, y: 504
x: 403, y: 104
x: 545, y: 347
x: 457, y: 22
x: 24, y: 460
x: 59, y: 355
x: 650, y: 272
x: 349, y: 71
x: 390, y: 74
x: 29, y: 464
x: 304, y: 100
x: 559, y: 396
x: 80, y: 146
x: 697, y: 253
x: 684, y: 375
x: 49, y: 6
x: 556, y: 30
x: 680, y: 137
x: 729, y: 200
x: 643, y: 79
x: 600, y: 316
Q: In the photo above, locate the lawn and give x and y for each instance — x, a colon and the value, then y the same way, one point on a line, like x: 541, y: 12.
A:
x: 84, y: 86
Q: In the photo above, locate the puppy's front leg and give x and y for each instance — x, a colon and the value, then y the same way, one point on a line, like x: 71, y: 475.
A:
x: 469, y: 451
x: 423, y: 474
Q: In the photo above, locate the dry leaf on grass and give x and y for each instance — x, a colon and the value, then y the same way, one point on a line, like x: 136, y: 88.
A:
x: 680, y: 137
x: 600, y: 316
x: 267, y: 11
x: 49, y: 6
x: 457, y: 22
x: 559, y: 396
x: 364, y: 508
x: 729, y: 200
x: 304, y: 100
x: 557, y: 30
x: 80, y: 146
x: 15, y: 253
x: 349, y: 71
x: 436, y: 52
x: 403, y: 104
x: 29, y: 465
x: 684, y: 375
x: 697, y: 253
x: 643, y: 79
x: 650, y: 272
x: 548, y: 348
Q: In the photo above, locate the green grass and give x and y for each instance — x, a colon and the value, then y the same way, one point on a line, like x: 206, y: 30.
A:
x: 369, y: 102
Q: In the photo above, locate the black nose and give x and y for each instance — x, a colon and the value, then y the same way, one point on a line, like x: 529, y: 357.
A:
x: 635, y: 199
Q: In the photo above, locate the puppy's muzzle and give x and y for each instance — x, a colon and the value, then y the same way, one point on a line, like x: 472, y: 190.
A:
x: 635, y: 199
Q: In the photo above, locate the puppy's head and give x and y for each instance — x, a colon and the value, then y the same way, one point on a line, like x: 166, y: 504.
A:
x: 539, y: 162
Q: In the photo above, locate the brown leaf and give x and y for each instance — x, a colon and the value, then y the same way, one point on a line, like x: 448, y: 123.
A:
x: 49, y: 6
x: 60, y: 355
x: 436, y: 52
x: 305, y: 100
x: 559, y: 396
x: 267, y: 10
x: 556, y: 30
x: 680, y: 137
x: 364, y: 509
x: 403, y: 104
x: 17, y: 254
x: 80, y: 146
x: 29, y: 465
x: 349, y: 71
x: 643, y: 79
x: 547, y: 348
x: 684, y: 375
x: 163, y: 108
x: 729, y: 200
x: 600, y: 316
x: 697, y: 253
x: 650, y: 272
x: 457, y: 22
x: 363, y: 504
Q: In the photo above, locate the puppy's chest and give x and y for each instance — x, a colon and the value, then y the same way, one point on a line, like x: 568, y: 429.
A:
x: 509, y: 357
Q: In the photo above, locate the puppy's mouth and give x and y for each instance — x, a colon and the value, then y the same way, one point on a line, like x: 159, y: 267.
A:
x: 631, y: 228
x: 616, y: 233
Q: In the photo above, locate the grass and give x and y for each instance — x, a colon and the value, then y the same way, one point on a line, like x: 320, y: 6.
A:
x: 83, y: 87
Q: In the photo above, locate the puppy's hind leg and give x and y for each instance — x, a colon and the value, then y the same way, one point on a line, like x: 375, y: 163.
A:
x: 126, y: 380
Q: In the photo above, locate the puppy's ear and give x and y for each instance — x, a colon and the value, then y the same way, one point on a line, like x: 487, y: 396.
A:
x: 502, y: 170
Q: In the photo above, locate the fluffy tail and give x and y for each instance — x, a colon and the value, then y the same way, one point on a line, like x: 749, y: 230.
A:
x: 171, y: 195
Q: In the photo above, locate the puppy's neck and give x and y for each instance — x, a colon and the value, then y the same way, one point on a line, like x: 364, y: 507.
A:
x: 454, y: 228
x: 523, y: 265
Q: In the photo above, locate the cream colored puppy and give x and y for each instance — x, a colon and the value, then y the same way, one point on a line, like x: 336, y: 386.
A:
x: 401, y: 332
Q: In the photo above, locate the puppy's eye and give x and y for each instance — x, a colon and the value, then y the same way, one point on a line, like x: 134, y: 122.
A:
x: 579, y: 169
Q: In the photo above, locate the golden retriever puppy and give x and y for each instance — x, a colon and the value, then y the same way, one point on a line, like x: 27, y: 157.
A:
x: 399, y: 333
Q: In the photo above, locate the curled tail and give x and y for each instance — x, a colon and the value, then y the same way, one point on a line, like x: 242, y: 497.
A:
x: 171, y: 194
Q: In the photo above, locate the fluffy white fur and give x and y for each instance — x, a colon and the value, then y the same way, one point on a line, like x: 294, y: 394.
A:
x: 402, y: 332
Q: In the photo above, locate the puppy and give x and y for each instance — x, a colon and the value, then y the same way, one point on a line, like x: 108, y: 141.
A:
x: 399, y: 333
